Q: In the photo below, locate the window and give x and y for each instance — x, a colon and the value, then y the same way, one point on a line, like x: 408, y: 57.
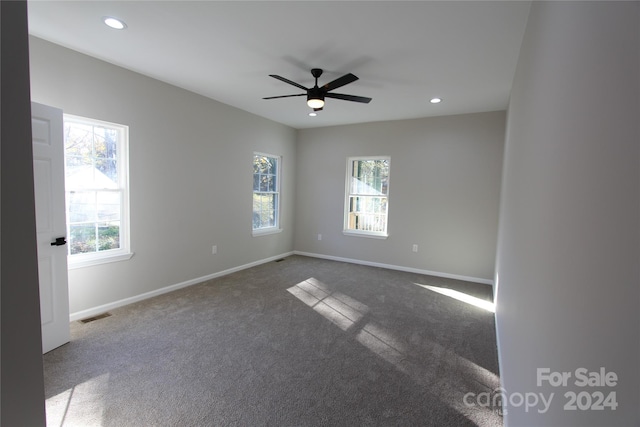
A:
x: 266, y: 193
x: 367, y: 196
x: 97, y: 193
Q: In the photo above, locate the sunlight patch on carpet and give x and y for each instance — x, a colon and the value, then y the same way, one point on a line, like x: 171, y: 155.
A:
x: 81, y: 405
x: 341, y: 310
x: 461, y: 296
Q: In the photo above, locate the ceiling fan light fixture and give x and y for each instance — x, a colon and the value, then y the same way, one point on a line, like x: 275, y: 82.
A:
x: 315, y: 102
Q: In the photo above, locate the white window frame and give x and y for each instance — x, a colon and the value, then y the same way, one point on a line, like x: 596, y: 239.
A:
x: 277, y: 227
x: 364, y: 233
x: 122, y: 161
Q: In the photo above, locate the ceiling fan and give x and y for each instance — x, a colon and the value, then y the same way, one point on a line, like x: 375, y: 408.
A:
x: 316, y: 95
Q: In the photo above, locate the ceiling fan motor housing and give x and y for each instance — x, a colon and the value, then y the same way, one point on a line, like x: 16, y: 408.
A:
x: 315, y: 93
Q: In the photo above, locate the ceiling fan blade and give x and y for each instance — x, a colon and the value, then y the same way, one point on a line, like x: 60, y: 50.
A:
x: 344, y: 97
x: 284, y: 96
x: 341, y: 81
x: 287, y: 81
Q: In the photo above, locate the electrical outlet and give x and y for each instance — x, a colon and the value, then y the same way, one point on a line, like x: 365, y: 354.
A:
x: 319, y: 236
x: 214, y: 249
x: 415, y: 248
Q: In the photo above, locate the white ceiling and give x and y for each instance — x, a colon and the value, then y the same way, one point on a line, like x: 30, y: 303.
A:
x: 403, y: 52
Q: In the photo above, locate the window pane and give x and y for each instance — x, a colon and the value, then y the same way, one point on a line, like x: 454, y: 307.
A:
x: 267, y: 183
x: 264, y: 210
x: 106, y: 173
x: 367, y: 213
x: 78, y: 139
x: 108, y: 206
x: 267, y: 219
x: 273, y: 183
x: 82, y: 206
x: 82, y: 239
x: 369, y: 176
x: 109, y: 236
x: 106, y: 142
x: 260, y: 164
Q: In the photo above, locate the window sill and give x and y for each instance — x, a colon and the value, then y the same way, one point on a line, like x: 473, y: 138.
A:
x: 88, y: 262
x: 266, y: 232
x: 370, y: 235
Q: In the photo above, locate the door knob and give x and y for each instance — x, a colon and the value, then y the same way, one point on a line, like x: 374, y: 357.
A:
x: 59, y: 241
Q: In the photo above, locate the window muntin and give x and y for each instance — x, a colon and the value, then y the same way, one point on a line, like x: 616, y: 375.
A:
x: 266, y: 193
x: 96, y: 188
x: 367, y: 196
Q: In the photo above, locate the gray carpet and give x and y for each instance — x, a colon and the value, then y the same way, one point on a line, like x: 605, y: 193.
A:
x: 300, y: 342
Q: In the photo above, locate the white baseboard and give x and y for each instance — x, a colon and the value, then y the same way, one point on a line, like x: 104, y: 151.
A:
x: 90, y: 312
x: 398, y: 267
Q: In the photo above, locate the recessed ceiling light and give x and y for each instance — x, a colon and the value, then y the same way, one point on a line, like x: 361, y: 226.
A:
x: 435, y: 100
x: 313, y: 114
x: 114, y: 23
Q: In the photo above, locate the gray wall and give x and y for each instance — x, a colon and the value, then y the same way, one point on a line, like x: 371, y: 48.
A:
x: 190, y: 162
x: 22, y: 383
x: 443, y: 193
x: 567, y: 263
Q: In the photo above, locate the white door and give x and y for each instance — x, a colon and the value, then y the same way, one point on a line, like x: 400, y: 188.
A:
x: 48, y: 171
